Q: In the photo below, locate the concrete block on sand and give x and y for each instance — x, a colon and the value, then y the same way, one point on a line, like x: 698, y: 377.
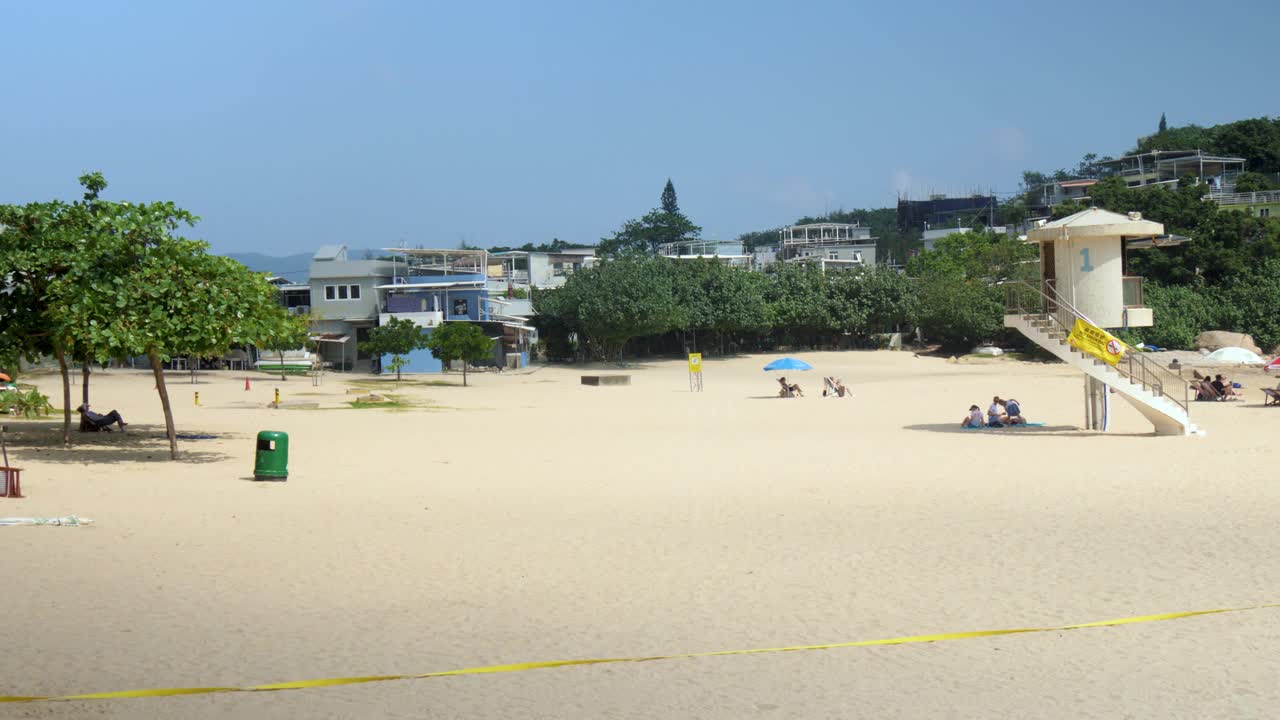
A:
x: 598, y: 380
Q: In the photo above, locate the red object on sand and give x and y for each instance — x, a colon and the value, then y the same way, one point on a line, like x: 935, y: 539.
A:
x: 246, y: 382
x: 12, y: 482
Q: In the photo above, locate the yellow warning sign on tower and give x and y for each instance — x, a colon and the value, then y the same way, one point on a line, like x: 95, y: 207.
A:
x: 1096, y: 341
x: 695, y: 362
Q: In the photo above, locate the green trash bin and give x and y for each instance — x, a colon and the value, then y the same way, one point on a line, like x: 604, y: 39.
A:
x: 272, y: 459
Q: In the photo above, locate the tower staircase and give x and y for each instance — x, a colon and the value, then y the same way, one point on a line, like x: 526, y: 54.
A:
x: 1046, y: 319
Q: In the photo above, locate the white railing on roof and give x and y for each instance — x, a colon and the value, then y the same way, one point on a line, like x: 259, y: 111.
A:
x: 1246, y: 198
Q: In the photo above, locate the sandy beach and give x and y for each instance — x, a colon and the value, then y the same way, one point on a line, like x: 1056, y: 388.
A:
x: 530, y: 518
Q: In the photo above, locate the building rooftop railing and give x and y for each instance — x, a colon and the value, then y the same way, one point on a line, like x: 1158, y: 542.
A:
x: 1246, y: 198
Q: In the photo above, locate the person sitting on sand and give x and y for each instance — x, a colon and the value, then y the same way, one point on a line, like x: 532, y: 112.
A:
x: 789, y: 390
x: 1013, y: 413
x: 1204, y: 389
x: 973, y: 419
x: 102, y: 422
x: 1226, y: 390
x: 995, y: 413
x: 841, y: 390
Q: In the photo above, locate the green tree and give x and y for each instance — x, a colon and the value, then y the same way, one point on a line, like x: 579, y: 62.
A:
x: 798, y: 303
x: 280, y: 332
x: 459, y: 341
x: 643, y: 236
x: 37, y: 245
x: 665, y: 224
x: 614, y: 301
x: 1164, y: 124
x: 718, y: 300
x: 397, y: 338
x: 1254, y: 182
x: 959, y: 299
x: 669, y: 203
x: 958, y: 311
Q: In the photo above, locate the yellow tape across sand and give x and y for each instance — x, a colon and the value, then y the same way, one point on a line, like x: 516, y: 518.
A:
x: 547, y: 664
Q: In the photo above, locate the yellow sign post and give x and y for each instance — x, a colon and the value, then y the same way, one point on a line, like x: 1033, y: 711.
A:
x: 695, y: 372
x: 1096, y: 341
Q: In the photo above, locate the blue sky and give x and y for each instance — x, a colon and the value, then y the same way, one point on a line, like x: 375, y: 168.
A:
x: 287, y: 125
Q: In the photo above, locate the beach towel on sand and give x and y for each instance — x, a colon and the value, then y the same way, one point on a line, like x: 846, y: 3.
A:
x: 1007, y: 427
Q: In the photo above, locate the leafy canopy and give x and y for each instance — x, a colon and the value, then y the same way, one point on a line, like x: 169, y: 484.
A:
x: 459, y: 341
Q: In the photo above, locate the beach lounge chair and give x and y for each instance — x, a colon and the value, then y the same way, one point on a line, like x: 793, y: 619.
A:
x: 1205, y: 391
x: 1271, y: 396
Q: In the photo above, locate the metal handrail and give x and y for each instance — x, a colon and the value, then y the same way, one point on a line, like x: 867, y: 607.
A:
x: 1133, y: 365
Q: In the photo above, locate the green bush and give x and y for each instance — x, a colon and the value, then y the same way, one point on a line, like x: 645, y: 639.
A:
x: 1181, y: 312
x: 1248, y: 304
x: 29, y: 403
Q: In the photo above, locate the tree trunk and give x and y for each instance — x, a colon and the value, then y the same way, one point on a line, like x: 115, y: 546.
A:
x: 84, y: 393
x: 192, y: 367
x: 158, y: 371
x: 464, y: 373
x: 66, y: 397
x: 282, y: 377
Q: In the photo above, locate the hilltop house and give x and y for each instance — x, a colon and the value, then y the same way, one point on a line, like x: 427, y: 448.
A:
x: 830, y: 246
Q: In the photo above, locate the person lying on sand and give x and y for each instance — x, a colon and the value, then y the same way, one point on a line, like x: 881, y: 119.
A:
x: 1013, y: 413
x: 102, y: 422
x: 973, y: 419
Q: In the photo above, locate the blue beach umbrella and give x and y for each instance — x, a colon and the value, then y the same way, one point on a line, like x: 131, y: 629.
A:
x: 788, y: 364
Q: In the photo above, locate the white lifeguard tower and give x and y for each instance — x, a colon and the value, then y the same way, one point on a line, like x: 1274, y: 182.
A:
x: 1082, y: 267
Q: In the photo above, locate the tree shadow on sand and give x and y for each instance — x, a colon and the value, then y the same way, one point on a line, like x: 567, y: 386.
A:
x: 41, y: 440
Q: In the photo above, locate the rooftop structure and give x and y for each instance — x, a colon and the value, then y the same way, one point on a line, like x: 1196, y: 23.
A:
x: 1169, y: 166
x: 941, y: 211
x: 825, y: 234
x: 829, y: 245
x: 728, y: 252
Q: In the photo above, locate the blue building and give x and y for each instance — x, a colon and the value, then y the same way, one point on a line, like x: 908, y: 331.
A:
x: 433, y: 287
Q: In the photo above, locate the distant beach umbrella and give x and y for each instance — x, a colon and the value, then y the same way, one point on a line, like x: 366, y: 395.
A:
x: 788, y: 364
x: 1235, y: 355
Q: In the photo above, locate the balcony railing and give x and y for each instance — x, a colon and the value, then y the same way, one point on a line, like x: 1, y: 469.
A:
x: 1132, y: 287
x: 1246, y: 198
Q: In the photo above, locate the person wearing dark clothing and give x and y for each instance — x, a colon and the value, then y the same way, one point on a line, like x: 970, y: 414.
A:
x: 101, y: 422
x: 1226, y: 390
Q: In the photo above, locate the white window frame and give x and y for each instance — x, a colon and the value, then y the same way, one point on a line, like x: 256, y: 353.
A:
x: 346, y: 292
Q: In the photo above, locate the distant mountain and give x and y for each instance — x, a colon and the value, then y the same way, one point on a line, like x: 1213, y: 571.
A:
x: 296, y: 268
